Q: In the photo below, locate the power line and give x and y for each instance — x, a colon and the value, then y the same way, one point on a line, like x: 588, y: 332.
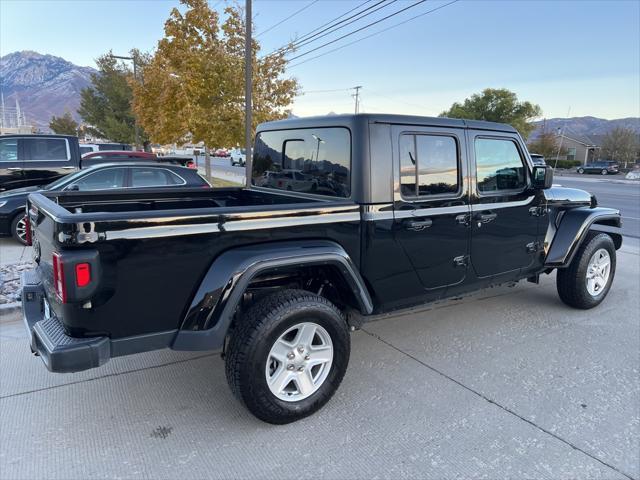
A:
x: 334, y: 28
x: 358, y: 30
x: 312, y: 33
x: 373, y: 34
x: 327, y: 91
x: 287, y: 18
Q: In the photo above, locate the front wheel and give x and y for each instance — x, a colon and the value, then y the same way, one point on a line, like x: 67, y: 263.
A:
x: 604, y: 172
x: 581, y: 171
x: 587, y: 280
x: 19, y: 228
x: 288, y: 355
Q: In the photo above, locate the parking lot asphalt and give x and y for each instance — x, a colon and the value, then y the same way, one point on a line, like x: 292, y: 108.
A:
x: 507, y: 383
x: 613, y: 192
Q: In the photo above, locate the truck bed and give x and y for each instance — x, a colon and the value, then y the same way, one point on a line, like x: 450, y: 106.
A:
x: 154, y: 247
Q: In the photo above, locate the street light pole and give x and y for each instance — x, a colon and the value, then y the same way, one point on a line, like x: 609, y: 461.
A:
x: 248, y: 80
x: 135, y: 77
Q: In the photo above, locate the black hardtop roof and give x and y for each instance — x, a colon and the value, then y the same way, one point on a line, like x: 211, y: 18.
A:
x: 352, y: 119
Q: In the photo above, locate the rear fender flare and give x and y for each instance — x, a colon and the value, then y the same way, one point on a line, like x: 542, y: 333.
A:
x: 574, y: 226
x: 212, y: 309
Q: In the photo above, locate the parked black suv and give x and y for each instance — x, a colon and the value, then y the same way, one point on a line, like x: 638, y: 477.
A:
x: 603, y: 168
x: 406, y: 210
x: 28, y: 160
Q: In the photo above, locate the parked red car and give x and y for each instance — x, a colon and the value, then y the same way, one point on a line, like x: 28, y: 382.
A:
x: 94, y: 158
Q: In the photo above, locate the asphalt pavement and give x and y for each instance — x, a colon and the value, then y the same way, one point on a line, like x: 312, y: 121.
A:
x: 507, y: 383
x: 614, y: 192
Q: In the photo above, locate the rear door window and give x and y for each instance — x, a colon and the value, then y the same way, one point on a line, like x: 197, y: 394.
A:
x: 428, y: 165
x: 45, y: 149
x: 319, y: 159
x: 154, y: 177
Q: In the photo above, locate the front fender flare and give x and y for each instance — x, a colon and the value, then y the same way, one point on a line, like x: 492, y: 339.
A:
x: 211, y: 311
x: 573, y: 228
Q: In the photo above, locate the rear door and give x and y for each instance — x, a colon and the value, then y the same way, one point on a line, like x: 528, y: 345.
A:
x: 46, y: 159
x: 431, y: 204
x: 504, y: 214
x: 11, y: 174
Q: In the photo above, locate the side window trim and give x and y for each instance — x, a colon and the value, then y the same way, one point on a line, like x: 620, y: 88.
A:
x: 67, y: 187
x: 438, y: 196
x: 523, y: 160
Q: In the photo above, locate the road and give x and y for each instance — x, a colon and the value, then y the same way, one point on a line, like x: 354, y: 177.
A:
x: 612, y: 193
x: 508, y: 383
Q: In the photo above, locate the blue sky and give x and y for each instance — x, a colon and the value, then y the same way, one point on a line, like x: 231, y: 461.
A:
x: 581, y: 57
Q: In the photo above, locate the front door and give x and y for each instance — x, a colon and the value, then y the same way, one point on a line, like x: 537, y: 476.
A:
x: 431, y: 206
x: 504, y: 217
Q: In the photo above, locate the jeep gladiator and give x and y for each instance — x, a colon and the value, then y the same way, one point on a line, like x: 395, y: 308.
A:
x: 384, y: 213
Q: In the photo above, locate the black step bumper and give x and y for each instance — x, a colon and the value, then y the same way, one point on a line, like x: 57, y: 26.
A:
x: 63, y: 353
x: 59, y: 351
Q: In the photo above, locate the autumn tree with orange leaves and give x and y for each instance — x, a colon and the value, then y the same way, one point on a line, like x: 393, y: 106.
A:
x: 193, y: 85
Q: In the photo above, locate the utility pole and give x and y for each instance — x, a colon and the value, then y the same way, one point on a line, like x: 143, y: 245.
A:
x: 135, y: 77
x: 248, y: 86
x: 357, y: 97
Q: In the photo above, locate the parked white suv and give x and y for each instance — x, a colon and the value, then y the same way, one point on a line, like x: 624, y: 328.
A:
x: 238, y: 157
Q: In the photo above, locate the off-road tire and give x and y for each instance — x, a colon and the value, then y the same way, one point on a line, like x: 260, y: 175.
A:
x: 571, y: 282
x: 255, y: 333
x: 14, y: 229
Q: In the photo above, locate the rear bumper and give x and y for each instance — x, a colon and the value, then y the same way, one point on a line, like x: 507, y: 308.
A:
x: 59, y: 351
x: 63, y: 353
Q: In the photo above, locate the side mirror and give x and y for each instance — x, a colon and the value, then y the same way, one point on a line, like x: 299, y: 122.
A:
x: 542, y: 177
x: 72, y: 188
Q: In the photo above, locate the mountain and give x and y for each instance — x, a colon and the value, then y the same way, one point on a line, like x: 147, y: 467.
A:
x: 585, y: 126
x: 43, y: 84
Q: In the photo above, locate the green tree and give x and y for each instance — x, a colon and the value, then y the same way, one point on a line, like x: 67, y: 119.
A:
x: 106, y: 105
x: 194, y: 83
x: 64, y: 125
x: 621, y: 144
x: 497, y: 105
x: 547, y: 145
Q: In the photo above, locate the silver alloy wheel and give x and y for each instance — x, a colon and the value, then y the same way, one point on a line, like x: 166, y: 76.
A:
x: 604, y: 172
x: 21, y: 229
x: 299, y: 362
x: 598, y: 272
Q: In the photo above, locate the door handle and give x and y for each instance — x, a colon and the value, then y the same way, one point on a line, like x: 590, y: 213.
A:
x: 14, y: 169
x: 486, y: 217
x: 418, y: 225
x: 68, y: 168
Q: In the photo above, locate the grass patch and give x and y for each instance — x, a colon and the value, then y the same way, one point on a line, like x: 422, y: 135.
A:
x: 221, y: 183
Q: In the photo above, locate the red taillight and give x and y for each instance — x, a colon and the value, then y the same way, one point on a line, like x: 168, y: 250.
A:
x: 27, y: 232
x: 58, y: 278
x: 83, y: 274
x: 191, y: 165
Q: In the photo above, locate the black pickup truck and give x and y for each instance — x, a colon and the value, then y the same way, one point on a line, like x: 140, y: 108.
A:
x: 384, y: 213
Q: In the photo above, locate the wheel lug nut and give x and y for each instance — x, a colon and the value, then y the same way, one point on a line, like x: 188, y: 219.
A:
x: 290, y: 356
x: 307, y: 357
x: 290, y: 367
x: 301, y: 369
x: 301, y: 349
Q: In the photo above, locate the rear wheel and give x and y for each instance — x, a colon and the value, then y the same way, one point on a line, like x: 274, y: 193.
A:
x: 581, y: 170
x: 288, y: 355
x: 19, y: 228
x: 587, y: 280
